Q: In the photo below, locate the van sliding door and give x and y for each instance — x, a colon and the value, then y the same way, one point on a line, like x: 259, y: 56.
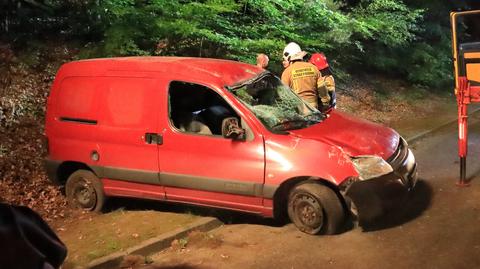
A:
x: 128, y: 147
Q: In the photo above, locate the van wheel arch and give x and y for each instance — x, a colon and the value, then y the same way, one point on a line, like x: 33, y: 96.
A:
x: 68, y: 168
x: 280, y: 198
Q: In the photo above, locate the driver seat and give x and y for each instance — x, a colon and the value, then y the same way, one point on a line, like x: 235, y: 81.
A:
x: 196, y: 126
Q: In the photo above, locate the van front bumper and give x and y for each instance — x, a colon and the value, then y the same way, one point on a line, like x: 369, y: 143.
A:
x: 406, y: 172
x: 368, y: 199
x: 404, y: 165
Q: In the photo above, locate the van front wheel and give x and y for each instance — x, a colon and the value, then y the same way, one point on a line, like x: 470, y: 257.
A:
x: 315, y: 208
x: 84, y: 190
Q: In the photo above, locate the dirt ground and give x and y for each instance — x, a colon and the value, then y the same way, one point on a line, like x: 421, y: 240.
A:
x: 25, y: 79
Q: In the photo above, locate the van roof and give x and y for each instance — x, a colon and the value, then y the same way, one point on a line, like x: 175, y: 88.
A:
x: 230, y: 72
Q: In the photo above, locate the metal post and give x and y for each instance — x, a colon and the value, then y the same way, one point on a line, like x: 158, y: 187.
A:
x: 463, y: 170
x: 462, y: 143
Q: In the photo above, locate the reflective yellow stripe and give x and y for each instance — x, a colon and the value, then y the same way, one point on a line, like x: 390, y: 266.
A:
x: 303, y: 72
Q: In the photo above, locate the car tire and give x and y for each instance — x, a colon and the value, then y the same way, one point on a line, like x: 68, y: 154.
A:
x: 84, y: 190
x: 315, y: 208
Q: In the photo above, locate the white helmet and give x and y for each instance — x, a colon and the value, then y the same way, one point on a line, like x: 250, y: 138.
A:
x: 292, y: 49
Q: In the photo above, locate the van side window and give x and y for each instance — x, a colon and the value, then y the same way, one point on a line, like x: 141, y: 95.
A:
x: 197, y: 109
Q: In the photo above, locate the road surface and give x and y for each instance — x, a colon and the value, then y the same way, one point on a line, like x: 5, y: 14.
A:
x: 438, y: 226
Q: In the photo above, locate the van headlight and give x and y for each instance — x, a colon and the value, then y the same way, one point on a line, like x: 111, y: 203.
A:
x: 369, y: 167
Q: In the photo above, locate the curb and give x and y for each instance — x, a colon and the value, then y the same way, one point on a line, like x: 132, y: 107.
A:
x: 419, y: 136
x: 155, y: 244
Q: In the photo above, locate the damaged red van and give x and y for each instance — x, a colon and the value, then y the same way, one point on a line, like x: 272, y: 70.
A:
x: 214, y: 133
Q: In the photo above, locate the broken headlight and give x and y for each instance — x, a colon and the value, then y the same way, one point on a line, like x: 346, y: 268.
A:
x: 369, y: 167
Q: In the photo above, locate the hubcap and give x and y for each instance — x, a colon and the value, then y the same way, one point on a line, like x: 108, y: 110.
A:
x: 309, y: 211
x: 85, y: 195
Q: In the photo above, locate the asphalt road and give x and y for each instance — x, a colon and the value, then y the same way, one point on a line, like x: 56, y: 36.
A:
x: 436, y: 226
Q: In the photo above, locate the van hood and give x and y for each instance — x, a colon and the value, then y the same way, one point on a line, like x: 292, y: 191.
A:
x: 355, y: 136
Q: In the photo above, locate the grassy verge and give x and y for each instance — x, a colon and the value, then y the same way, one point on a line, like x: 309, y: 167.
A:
x: 100, y: 235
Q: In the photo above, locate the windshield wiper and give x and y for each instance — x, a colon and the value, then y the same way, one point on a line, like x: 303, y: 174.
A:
x: 287, y: 124
x: 316, y: 117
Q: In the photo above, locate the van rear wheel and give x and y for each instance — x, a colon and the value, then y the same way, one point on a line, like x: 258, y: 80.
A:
x: 84, y: 190
x: 315, y: 208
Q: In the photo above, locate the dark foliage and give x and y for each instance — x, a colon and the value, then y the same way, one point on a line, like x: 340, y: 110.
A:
x: 409, y: 39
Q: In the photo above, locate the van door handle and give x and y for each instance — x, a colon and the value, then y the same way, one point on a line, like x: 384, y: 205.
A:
x: 153, y: 138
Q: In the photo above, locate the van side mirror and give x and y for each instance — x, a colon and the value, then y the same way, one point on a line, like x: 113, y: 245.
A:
x: 470, y: 62
x: 231, y: 129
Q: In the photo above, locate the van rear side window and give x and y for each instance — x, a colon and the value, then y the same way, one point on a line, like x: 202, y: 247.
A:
x: 76, y: 99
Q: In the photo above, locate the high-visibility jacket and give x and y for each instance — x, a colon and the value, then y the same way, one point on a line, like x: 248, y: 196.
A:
x: 305, y: 80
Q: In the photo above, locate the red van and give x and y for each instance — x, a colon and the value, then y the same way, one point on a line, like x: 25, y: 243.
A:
x: 215, y: 133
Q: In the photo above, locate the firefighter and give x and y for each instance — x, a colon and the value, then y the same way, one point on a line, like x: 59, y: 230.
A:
x: 304, y: 78
x: 262, y: 60
x: 328, y: 83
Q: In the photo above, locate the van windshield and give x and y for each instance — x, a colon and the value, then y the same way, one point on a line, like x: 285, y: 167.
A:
x: 276, y: 105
